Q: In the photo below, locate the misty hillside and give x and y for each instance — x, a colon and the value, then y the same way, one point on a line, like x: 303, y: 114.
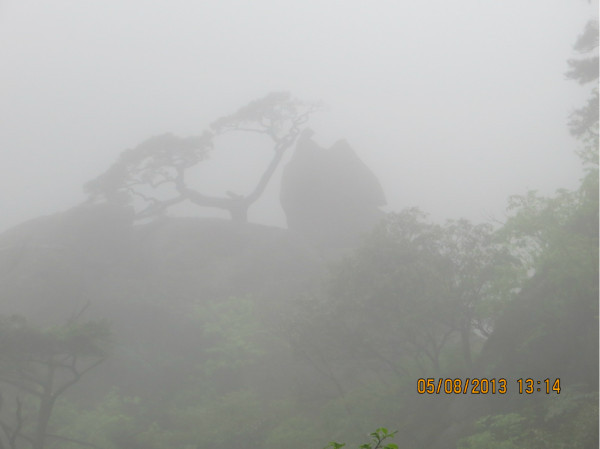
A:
x: 93, y: 253
x: 146, y: 280
x: 125, y: 327
x: 242, y: 335
x: 299, y: 225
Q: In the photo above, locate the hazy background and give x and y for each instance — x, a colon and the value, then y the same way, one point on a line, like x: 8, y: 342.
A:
x: 454, y: 105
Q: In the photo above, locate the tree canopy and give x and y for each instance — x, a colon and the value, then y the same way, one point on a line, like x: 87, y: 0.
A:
x: 152, y: 176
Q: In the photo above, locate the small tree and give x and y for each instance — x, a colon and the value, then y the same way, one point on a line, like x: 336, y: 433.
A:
x: 43, y: 364
x: 154, y: 172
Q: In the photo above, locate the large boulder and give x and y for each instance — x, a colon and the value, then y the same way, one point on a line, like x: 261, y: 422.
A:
x: 329, y: 195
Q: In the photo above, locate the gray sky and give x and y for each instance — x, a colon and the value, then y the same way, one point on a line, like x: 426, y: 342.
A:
x: 455, y: 105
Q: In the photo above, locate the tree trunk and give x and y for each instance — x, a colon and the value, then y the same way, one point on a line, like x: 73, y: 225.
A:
x: 46, y: 405
x: 465, y: 336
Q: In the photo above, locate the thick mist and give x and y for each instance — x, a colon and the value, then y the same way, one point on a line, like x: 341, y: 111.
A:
x: 266, y: 225
x: 454, y: 105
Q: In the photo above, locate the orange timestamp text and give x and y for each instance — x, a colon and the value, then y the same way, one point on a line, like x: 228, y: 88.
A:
x: 484, y: 385
x: 461, y: 385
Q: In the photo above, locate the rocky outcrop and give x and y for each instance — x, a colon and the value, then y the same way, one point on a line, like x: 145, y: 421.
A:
x: 329, y: 195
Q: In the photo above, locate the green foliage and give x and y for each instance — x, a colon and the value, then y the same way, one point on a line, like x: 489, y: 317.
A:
x: 432, y: 284
x: 377, y: 439
x: 23, y: 346
x: 496, y: 432
x: 570, y: 421
x: 583, y: 122
x: 113, y: 416
x: 553, y: 325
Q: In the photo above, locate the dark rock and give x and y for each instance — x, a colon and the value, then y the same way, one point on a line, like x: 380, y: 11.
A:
x: 329, y: 195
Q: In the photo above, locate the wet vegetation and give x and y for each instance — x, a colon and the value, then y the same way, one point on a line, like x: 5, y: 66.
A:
x: 126, y: 328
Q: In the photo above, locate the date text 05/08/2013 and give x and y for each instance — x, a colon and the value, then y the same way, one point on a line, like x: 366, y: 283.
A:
x: 484, y: 385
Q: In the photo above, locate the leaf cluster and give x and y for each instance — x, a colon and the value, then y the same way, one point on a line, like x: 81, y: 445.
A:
x: 20, y: 340
x: 272, y: 115
x: 157, y: 161
x: 377, y: 440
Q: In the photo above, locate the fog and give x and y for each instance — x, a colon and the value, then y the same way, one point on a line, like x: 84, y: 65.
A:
x: 454, y: 105
x: 285, y: 317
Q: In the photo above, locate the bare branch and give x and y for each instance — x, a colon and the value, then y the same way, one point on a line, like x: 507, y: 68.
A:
x: 21, y: 386
x: 78, y: 315
x: 77, y: 375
